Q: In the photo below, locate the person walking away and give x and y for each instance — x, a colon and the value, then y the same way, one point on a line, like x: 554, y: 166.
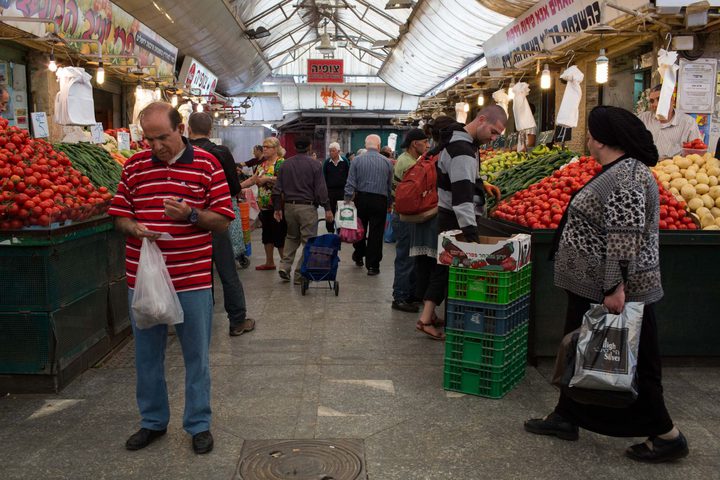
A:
x: 176, y: 189
x: 607, y: 252
x: 461, y: 193
x: 670, y: 134
x: 199, y: 127
x: 300, y: 187
x: 273, y: 233
x: 415, y: 144
x: 335, y: 171
x: 370, y: 184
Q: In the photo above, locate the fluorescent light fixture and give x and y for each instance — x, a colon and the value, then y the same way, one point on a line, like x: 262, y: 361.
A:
x: 398, y: 4
x: 602, y: 68
x: 545, y: 79
x: 100, y: 74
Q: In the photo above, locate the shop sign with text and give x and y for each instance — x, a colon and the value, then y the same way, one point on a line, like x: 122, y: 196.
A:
x: 197, y: 78
x: 325, y: 71
x: 117, y: 31
x: 528, y: 31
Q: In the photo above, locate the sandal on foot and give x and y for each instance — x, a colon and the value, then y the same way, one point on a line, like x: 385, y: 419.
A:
x: 437, y: 322
x: 422, y: 327
x: 265, y: 267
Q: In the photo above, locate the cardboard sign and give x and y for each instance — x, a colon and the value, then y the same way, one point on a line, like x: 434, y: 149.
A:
x: 97, y: 133
x: 39, y: 124
x: 135, y: 134
x: 123, y: 140
x: 325, y: 71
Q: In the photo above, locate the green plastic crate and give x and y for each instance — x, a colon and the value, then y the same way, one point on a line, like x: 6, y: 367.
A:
x: 484, y: 381
x: 118, y: 308
x: 486, y: 349
x: 115, y: 255
x: 41, y: 342
x: 45, y: 278
x: 488, y: 286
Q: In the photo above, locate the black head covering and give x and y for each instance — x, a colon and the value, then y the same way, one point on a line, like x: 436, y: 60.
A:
x: 618, y: 128
x: 302, y: 143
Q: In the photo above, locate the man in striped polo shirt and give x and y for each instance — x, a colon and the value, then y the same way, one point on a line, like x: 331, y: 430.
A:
x: 174, y: 189
x: 370, y: 184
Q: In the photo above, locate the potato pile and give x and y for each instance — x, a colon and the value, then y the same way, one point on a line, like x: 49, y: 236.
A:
x: 694, y: 179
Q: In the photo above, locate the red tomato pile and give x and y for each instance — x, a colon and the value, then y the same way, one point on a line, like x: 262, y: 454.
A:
x: 673, y: 213
x: 38, y: 185
x: 696, y: 144
x: 542, y: 204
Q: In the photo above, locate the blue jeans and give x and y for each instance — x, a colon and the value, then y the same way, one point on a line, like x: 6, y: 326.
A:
x: 151, y: 389
x: 233, y: 293
x: 404, y: 282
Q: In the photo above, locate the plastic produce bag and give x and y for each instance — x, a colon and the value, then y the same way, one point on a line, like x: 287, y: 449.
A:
x: 155, y: 301
x: 524, y: 119
x: 607, y: 351
x: 74, y: 103
x: 668, y: 73
x: 501, y: 98
x: 570, y: 106
x: 347, y: 216
x: 352, y: 235
x: 389, y: 234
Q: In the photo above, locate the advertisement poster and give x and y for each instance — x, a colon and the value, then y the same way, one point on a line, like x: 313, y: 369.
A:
x: 117, y: 32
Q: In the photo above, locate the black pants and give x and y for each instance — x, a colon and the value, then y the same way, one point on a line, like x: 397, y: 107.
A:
x: 273, y: 231
x: 372, y: 210
x: 647, y: 415
x: 431, y: 279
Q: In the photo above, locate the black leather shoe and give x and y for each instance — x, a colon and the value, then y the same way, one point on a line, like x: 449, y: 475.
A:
x: 143, y: 437
x: 554, y: 425
x: 661, y: 451
x: 358, y: 260
x: 203, y: 442
x: 248, y: 325
x: 373, y: 271
x: 404, y: 306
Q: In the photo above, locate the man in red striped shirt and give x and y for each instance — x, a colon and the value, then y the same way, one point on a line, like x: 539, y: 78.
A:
x: 174, y: 189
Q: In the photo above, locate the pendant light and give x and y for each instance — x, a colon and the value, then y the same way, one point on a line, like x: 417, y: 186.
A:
x: 52, y: 66
x: 481, y: 100
x: 217, y: 114
x: 545, y: 79
x: 601, y: 68
x: 226, y: 122
x: 158, y: 93
x: 100, y: 74
x: 199, y: 107
x: 174, y: 101
x: 139, y: 88
x: 466, y: 107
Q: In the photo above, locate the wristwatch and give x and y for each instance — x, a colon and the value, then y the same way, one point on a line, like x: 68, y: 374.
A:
x: 193, y: 217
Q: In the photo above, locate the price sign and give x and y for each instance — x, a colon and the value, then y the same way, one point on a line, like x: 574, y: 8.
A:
x: 123, y: 140
x: 97, y: 133
x: 135, y: 132
x: 39, y: 124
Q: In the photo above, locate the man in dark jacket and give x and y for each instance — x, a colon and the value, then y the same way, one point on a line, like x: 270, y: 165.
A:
x: 199, y: 127
x: 335, y: 171
x: 300, y: 188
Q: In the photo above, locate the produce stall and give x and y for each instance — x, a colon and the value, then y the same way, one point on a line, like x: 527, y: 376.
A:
x: 689, y: 201
x: 63, y: 293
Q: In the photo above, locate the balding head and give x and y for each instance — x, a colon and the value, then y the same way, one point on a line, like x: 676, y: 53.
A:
x: 373, y: 142
x: 163, y: 128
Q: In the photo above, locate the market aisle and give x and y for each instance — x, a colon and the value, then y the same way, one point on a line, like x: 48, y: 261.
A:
x: 326, y: 367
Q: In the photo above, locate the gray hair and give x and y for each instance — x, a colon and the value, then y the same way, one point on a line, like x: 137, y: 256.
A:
x: 373, y: 141
x: 334, y: 145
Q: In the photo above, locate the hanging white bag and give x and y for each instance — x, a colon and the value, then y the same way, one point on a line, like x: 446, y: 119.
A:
x: 668, y: 74
x: 524, y: 118
x: 74, y: 103
x: 155, y: 301
x: 570, y: 105
x: 501, y: 98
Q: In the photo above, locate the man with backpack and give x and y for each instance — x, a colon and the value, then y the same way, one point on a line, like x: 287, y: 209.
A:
x: 199, y: 127
x: 415, y: 144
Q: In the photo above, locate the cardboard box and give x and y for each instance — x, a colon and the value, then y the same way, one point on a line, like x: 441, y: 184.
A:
x: 491, y: 253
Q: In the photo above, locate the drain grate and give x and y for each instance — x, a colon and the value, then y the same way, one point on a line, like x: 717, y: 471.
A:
x: 302, y: 460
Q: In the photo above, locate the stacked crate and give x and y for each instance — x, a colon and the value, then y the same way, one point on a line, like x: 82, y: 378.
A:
x: 487, y: 327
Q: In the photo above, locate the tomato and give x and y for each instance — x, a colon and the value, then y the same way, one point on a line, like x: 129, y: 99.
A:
x: 663, y: 225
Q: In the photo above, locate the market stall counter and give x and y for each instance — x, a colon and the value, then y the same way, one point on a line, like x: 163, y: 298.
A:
x: 63, y: 302
x: 686, y: 316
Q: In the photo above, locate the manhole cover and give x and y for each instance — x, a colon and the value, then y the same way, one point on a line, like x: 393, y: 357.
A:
x: 302, y: 460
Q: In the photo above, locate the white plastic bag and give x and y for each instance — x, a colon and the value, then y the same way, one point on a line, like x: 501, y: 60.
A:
x: 346, y: 215
x: 501, y: 98
x: 570, y: 106
x: 607, y: 349
x: 668, y: 72
x: 524, y: 119
x: 154, y: 300
x: 74, y: 103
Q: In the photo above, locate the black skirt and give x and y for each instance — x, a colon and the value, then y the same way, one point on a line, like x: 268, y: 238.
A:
x: 647, y: 416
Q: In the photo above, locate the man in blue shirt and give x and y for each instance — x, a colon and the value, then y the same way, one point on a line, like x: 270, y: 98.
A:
x: 369, y: 183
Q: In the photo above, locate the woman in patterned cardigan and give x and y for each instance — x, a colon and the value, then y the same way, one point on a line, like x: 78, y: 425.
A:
x: 607, y: 251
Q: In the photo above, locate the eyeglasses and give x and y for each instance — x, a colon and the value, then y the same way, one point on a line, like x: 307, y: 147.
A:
x: 268, y: 146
